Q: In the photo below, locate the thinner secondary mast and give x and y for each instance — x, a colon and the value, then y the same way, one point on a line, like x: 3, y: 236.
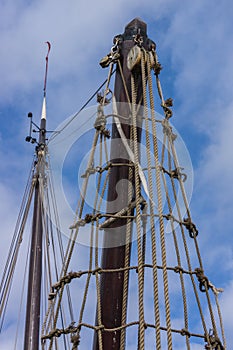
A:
x: 32, y: 322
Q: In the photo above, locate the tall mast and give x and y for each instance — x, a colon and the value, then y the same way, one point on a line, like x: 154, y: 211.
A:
x: 32, y: 323
x: 113, y: 256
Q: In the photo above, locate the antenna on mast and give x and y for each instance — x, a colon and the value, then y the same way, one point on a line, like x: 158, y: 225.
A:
x: 40, y: 129
x: 46, y: 67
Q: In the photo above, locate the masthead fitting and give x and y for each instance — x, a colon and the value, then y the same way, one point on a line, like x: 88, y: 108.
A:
x: 43, y: 112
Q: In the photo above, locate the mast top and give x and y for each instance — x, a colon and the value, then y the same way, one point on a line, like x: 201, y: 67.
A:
x: 135, y: 25
x: 137, y: 29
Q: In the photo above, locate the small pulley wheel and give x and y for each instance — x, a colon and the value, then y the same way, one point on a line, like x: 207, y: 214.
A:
x: 134, y: 57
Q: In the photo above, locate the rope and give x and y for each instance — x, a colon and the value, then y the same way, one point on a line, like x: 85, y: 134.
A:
x: 188, y: 259
x: 161, y: 223
x: 8, y: 273
x: 71, y: 329
x: 81, y: 109
x: 127, y: 255
x: 138, y: 221
x: 180, y: 270
x: 151, y: 204
x: 21, y: 298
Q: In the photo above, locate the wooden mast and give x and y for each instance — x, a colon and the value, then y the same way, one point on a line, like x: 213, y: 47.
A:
x: 32, y: 321
x: 113, y: 255
x: 32, y: 324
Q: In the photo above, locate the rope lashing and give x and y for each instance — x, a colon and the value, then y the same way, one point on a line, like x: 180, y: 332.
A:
x: 102, y: 98
x: 157, y: 68
x: 202, y: 279
x: 166, y: 107
x: 70, y: 330
x: 64, y: 280
x: 101, y: 169
x: 172, y: 218
x: 119, y: 214
x: 90, y: 217
x: 75, y: 339
x: 100, y: 122
x: 215, y: 343
x: 87, y: 219
x: 89, y: 171
x: 176, y: 173
x: 185, y: 332
x: 167, y: 130
x: 178, y: 269
x: 191, y: 227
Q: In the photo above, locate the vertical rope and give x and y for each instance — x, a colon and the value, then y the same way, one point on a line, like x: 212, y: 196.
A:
x: 151, y: 207
x: 138, y: 220
x: 99, y: 319
x: 127, y: 257
x: 220, y: 320
x: 160, y: 211
x: 188, y: 259
x: 185, y: 310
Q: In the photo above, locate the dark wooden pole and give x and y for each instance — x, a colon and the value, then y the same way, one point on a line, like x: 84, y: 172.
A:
x: 113, y: 255
x: 32, y: 323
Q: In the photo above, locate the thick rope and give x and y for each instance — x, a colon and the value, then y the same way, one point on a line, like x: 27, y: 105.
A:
x: 186, y: 324
x: 151, y: 206
x: 160, y: 208
x: 138, y: 220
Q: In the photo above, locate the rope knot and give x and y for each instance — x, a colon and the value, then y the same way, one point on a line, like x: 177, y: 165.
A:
x: 177, y: 174
x: 191, y: 227
x: 99, y: 328
x: 178, y: 269
x: 167, y: 129
x: 157, y: 68
x: 52, y: 295
x: 168, y: 216
x: 89, y: 218
x: 97, y: 270
x: 75, y: 339
x: 202, y: 279
x: 185, y: 332
x: 215, y: 343
x: 166, y: 107
x: 100, y: 122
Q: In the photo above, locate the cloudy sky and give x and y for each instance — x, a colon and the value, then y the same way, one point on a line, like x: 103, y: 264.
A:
x: 194, y: 44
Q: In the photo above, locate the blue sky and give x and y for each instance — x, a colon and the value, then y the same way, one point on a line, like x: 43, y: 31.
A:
x: 195, y: 48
